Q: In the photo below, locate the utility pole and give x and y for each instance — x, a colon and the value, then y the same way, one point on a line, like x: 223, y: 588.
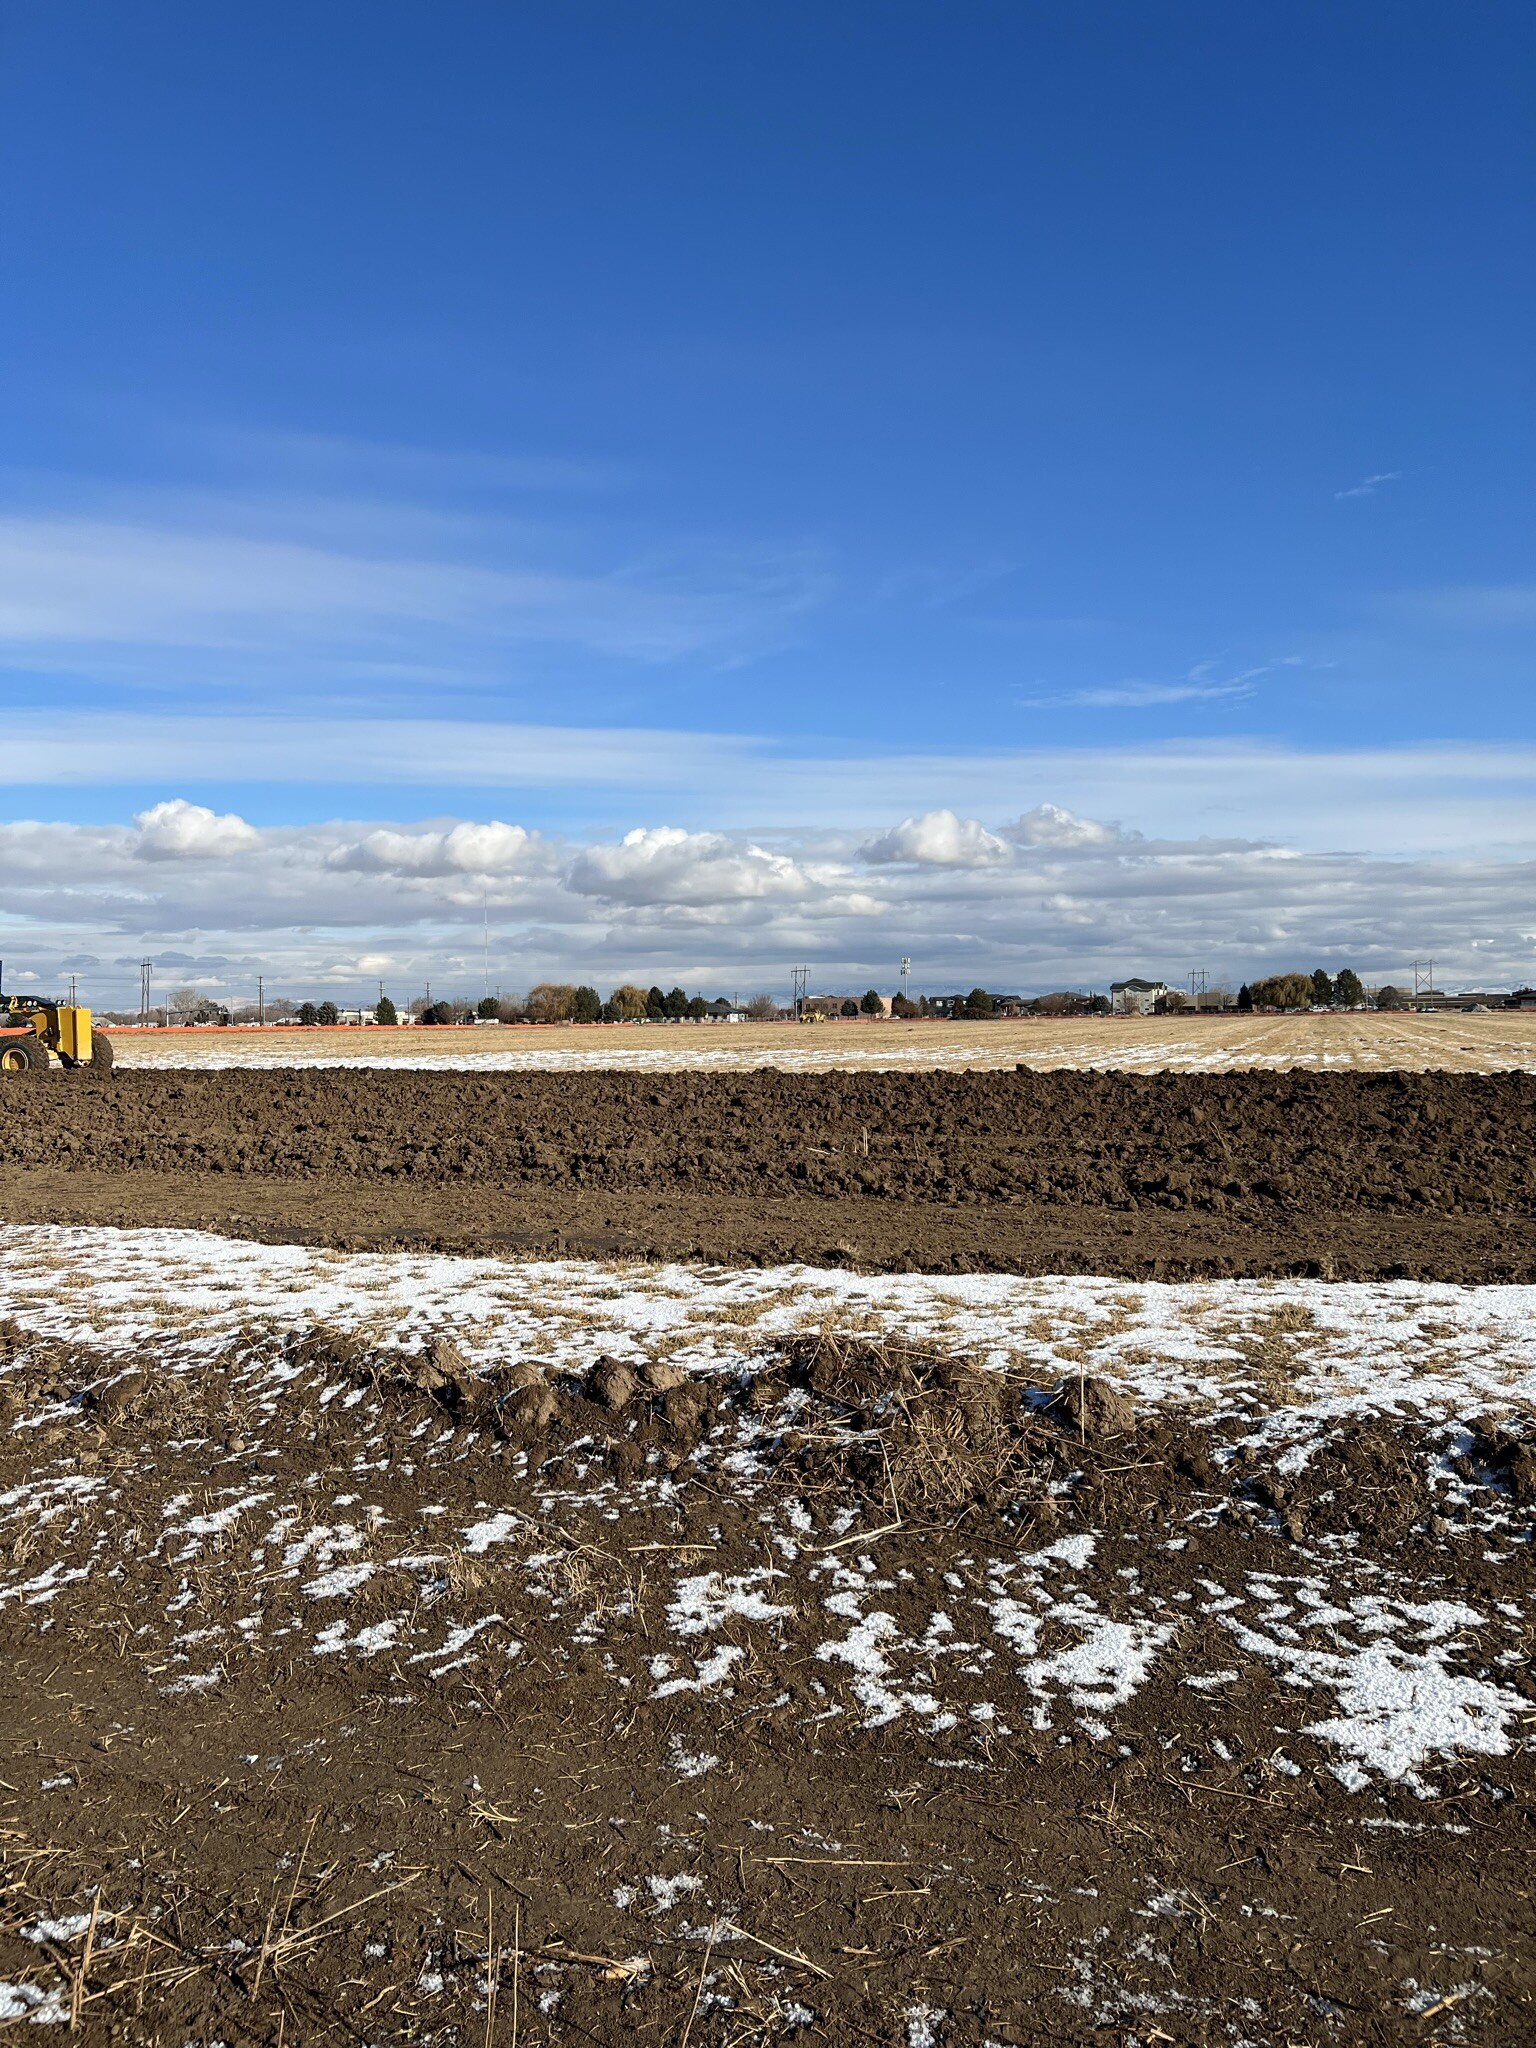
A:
x: 71, y: 991
x: 146, y: 975
x: 799, y: 978
x: 261, y: 999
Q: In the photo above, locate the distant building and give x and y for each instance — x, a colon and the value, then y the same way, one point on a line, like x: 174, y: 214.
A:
x: 1136, y: 998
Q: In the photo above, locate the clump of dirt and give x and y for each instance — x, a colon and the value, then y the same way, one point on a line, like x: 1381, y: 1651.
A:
x: 856, y: 1694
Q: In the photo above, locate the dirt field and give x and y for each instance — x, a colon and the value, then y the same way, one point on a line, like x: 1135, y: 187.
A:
x: 424, y: 1650
x: 859, y: 1630
x: 1455, y: 1043
x: 1343, y: 1175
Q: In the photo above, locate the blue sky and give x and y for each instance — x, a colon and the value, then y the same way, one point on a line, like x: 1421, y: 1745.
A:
x: 777, y: 423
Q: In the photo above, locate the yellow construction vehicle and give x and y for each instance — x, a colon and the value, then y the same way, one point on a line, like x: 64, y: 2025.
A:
x: 32, y: 1027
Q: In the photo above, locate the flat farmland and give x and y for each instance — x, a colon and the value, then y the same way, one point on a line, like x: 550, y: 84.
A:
x: 1456, y: 1043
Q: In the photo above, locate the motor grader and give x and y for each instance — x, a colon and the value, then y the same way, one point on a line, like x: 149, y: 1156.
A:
x: 32, y: 1027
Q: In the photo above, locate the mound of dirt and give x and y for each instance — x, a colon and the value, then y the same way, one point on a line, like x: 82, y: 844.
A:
x: 1342, y: 1176
x: 855, y: 1694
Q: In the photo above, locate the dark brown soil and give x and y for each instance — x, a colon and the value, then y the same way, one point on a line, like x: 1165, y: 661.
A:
x: 1343, y: 1176
x: 494, y: 1757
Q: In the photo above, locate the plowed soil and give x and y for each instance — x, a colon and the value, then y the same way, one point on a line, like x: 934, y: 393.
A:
x: 854, y: 1696
x: 1340, y: 1175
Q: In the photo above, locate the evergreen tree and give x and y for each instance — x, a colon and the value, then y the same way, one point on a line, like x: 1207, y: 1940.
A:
x: 487, y: 1008
x: 308, y: 1014
x: 384, y: 1012
x: 675, y: 1003
x: 1245, y: 997
x: 849, y: 1009
x: 1322, y: 987
x: 326, y: 1014
x: 871, y: 1004
x: 1349, y: 989
x: 586, y: 1005
x: 655, y: 1003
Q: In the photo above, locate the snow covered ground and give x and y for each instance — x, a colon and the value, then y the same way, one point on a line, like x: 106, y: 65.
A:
x: 1385, y: 1346
x: 1495, y: 1042
x: 971, y: 1643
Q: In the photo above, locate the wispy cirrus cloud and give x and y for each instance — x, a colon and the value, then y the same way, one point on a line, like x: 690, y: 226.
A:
x: 1459, y: 798
x: 1136, y: 693
x: 1368, y: 486
x: 155, y: 587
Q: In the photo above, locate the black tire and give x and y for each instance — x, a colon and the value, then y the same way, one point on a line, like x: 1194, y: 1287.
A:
x: 101, y: 1053
x: 26, y: 1055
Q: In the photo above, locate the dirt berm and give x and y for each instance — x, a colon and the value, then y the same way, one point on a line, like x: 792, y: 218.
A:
x: 1343, y: 1176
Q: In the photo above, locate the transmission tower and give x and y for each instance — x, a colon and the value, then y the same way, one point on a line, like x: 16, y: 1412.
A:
x: 146, y: 976
x: 799, y: 978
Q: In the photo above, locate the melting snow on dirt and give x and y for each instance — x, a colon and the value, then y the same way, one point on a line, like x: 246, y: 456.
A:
x: 441, y: 1562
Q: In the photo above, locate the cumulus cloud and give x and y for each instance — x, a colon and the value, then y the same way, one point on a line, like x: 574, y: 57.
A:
x: 1058, y: 898
x: 664, y: 864
x: 1050, y: 825
x: 177, y: 830
x: 467, y: 849
x: 937, y: 839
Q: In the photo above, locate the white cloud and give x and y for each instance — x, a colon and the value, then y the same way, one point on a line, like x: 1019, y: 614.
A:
x: 1136, y: 694
x: 1369, y: 485
x: 937, y: 839
x: 360, y: 584
x: 664, y: 864
x: 1050, y: 825
x: 177, y: 830
x: 1080, y: 908
x: 116, y: 747
x: 489, y: 849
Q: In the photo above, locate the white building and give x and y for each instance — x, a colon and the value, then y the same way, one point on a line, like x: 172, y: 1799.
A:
x: 1135, y: 998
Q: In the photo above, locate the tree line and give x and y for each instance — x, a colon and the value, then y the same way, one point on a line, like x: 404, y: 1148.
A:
x: 1318, y: 990
x: 563, y: 1002
x: 559, y: 1002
